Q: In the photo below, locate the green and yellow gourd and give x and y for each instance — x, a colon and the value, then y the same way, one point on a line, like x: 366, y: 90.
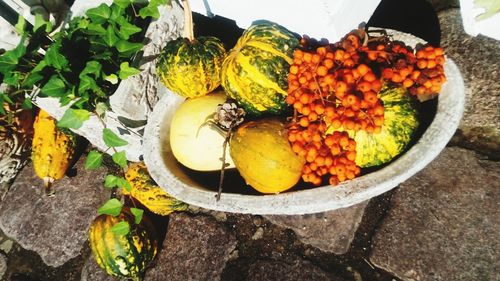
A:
x: 145, y: 190
x: 256, y: 69
x: 190, y: 66
x: 52, y: 149
x: 400, y: 124
x: 123, y: 255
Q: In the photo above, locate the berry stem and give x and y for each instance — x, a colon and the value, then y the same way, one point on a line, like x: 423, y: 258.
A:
x: 223, y: 159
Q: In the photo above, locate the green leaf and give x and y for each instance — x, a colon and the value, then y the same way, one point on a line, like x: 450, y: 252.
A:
x: 127, y: 48
x: 122, y: 3
x: 31, y: 79
x: 7, y: 98
x: 54, y: 58
x: 123, y: 183
x: 86, y: 83
x: 54, y: 88
x: 95, y: 29
x: 99, y: 14
x: 127, y: 29
x: 116, y: 12
x: 110, y: 37
x: 92, y: 67
x: 149, y: 11
x: 8, y: 62
x: 94, y: 160
x: 120, y: 158
x: 73, y: 118
x: 27, y: 104
x: 12, y: 78
x: 40, y: 22
x: 138, y: 213
x: 83, y: 23
x: 40, y: 66
x: 20, y: 25
x: 111, y: 139
x: 111, y: 207
x: 110, y: 181
x: 112, y: 78
x: 121, y: 228
x: 101, y: 109
x: 126, y: 71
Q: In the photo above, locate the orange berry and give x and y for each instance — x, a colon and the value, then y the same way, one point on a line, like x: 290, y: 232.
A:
x: 316, y: 58
x: 336, y: 123
x: 407, y: 83
x: 431, y: 63
x: 307, y: 57
x: 321, y: 50
x: 376, y: 86
x: 304, y: 122
x: 322, y: 70
x: 298, y: 53
x: 396, y: 78
x: 422, y: 63
x: 387, y: 73
x: 363, y: 69
x: 370, y: 77
x: 294, y: 69
x: 364, y: 86
x: 328, y: 63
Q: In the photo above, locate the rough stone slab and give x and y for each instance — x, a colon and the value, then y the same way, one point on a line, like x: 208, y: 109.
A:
x: 55, y: 227
x: 195, y: 248
x: 3, y: 265
x: 479, y: 63
x: 281, y: 271
x: 443, y: 224
x: 331, y: 231
x: 92, y: 272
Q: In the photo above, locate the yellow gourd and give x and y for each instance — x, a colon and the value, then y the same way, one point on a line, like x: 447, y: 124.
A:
x: 145, y: 190
x: 52, y: 149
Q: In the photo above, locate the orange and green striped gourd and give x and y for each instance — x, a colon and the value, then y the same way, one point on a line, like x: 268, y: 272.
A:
x: 255, y: 71
x: 123, y: 255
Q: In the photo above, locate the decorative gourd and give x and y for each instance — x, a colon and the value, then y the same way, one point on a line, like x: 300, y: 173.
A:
x: 52, y: 149
x: 195, y: 143
x: 191, y: 66
x: 264, y: 157
x: 400, y: 123
x: 145, y: 190
x: 123, y: 255
x: 255, y: 71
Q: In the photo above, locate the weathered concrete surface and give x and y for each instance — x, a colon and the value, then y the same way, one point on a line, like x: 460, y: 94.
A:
x: 478, y: 60
x: 281, y: 271
x: 3, y: 265
x: 55, y: 227
x: 331, y: 231
x: 92, y: 272
x: 443, y: 224
x: 195, y: 248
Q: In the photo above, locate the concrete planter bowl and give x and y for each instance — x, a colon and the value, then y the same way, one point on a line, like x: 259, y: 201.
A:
x: 179, y: 183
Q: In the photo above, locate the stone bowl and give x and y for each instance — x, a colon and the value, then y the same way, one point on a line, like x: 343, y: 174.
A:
x: 181, y: 183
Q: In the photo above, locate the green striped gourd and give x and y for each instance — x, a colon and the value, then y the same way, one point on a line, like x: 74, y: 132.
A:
x: 191, y: 68
x: 123, y: 255
x: 255, y: 71
x: 400, y: 123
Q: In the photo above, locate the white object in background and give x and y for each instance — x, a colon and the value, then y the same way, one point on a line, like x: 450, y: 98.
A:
x: 489, y: 27
x: 330, y: 19
x: 8, y: 35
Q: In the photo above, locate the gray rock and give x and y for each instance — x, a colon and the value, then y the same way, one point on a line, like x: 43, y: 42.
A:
x: 281, y: 271
x: 479, y: 62
x: 443, y: 224
x: 331, y: 231
x: 196, y: 248
x: 3, y: 265
x: 55, y: 227
x: 92, y: 272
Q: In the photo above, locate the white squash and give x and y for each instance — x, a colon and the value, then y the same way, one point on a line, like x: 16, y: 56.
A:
x: 194, y: 143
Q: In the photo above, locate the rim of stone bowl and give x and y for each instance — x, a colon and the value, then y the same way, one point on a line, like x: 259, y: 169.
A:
x: 165, y: 170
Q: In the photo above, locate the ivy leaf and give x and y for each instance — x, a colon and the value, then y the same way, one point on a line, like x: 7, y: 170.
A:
x: 101, y: 109
x: 126, y: 71
x: 20, y: 25
x: 149, y: 11
x: 92, y: 67
x: 127, y: 29
x: 120, y: 158
x: 112, y: 78
x: 95, y: 29
x: 116, y: 12
x: 111, y: 207
x: 73, y: 118
x: 123, y: 183
x: 27, y: 104
x: 40, y: 22
x: 122, y: 3
x: 94, y: 160
x: 86, y: 83
x: 110, y: 37
x: 31, y: 79
x: 99, y: 14
x: 12, y: 78
x: 39, y: 67
x: 121, y: 228
x: 127, y: 48
x: 138, y: 213
x: 54, y: 88
x: 111, y: 139
x: 8, y: 62
x: 54, y: 58
x: 110, y: 181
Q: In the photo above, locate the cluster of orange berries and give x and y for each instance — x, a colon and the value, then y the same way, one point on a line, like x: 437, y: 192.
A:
x: 334, y: 87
